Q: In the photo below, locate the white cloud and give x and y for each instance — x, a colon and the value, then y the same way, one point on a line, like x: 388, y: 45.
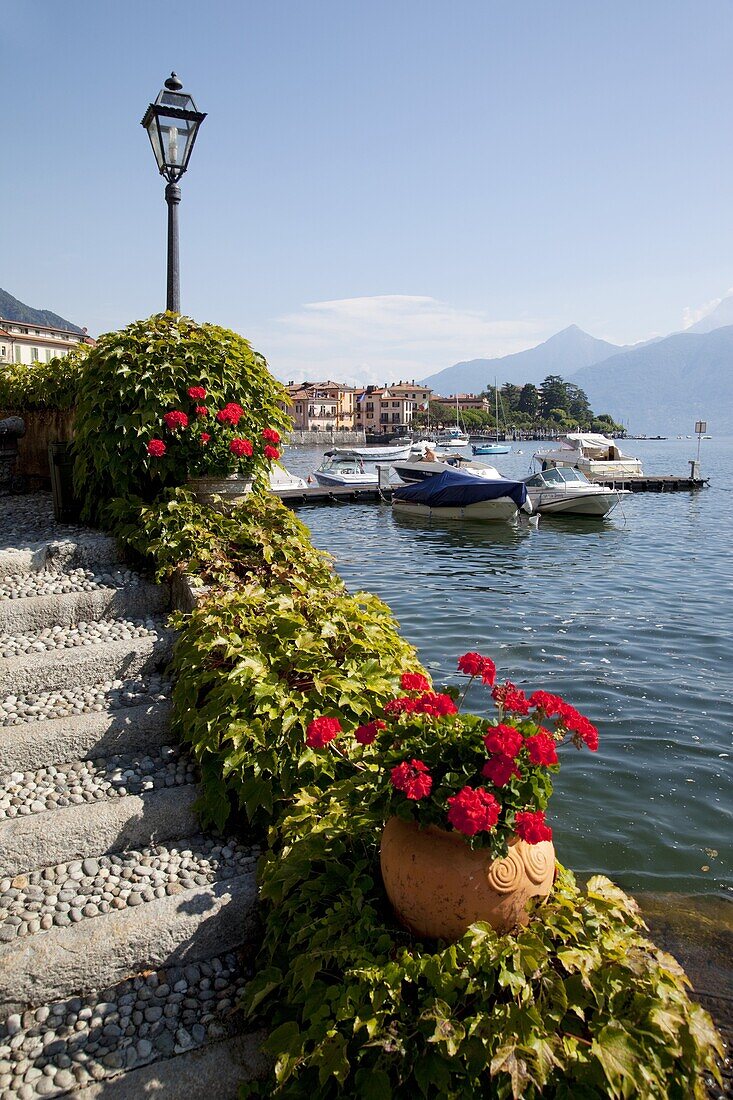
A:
x: 691, y: 315
x: 385, y: 337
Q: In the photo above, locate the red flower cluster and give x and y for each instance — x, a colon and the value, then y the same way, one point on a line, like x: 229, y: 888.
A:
x: 473, y: 664
x: 230, y: 414
x: 320, y: 731
x: 197, y: 393
x: 547, y: 702
x: 473, y: 811
x: 510, y: 698
x: 366, y: 734
x: 414, y: 681
x: 413, y: 779
x: 531, y: 827
x: 156, y: 448
x: 431, y: 702
x: 500, y: 770
x: 204, y: 437
x: 175, y: 419
x: 542, y: 748
x: 576, y: 722
x: 271, y: 452
x: 505, y: 740
x: 201, y: 410
x: 241, y: 447
x: 271, y: 436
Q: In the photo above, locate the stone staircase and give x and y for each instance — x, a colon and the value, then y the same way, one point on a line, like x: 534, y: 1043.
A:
x: 125, y: 934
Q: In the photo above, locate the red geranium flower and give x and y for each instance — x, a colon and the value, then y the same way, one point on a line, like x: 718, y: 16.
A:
x: 175, y: 419
x: 473, y: 664
x: 156, y: 448
x: 271, y: 436
x: 530, y: 826
x: 547, y: 702
x: 196, y: 393
x: 201, y: 410
x: 510, y: 698
x: 500, y: 770
x: 320, y: 731
x: 434, y: 703
x: 413, y: 779
x: 204, y: 437
x: 576, y: 722
x: 473, y: 811
x: 365, y: 735
x: 542, y: 748
x: 505, y: 740
x: 241, y: 447
x: 271, y: 452
x: 414, y: 681
x: 404, y: 704
x: 230, y: 414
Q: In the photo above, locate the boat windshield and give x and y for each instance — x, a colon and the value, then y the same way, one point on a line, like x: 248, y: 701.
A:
x: 557, y: 476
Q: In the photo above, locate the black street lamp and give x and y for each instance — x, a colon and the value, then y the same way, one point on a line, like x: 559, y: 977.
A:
x: 172, y: 123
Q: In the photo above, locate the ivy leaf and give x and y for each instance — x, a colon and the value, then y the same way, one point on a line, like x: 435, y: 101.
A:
x: 373, y: 1084
x: 620, y: 1056
x: 331, y: 1059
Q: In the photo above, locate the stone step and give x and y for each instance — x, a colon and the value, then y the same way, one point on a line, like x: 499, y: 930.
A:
x: 86, y: 781
x: 68, y: 893
x: 89, y: 549
x: 64, y: 599
x: 214, y: 1069
x: 139, y: 1037
x: 29, y: 745
x: 175, y: 929
x: 131, y: 651
x: 110, y: 825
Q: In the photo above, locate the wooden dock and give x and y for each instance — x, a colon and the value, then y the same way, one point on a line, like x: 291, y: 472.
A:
x: 640, y: 483
x: 336, y: 494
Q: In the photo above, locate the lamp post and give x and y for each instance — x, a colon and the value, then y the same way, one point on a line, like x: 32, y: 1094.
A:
x: 172, y: 122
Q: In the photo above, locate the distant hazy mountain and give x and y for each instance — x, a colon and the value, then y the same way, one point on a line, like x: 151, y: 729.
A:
x: 666, y: 386
x: 13, y: 310
x: 720, y: 317
x: 563, y: 354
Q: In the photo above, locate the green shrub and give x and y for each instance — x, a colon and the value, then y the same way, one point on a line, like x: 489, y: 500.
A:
x: 52, y: 385
x: 135, y: 376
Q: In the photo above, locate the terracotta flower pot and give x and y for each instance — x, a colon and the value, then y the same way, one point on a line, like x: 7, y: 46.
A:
x: 438, y: 886
x: 233, y: 490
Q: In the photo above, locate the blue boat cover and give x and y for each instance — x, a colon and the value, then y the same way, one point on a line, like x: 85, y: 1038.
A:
x: 456, y: 490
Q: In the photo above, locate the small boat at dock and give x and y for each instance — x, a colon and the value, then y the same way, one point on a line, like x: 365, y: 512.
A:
x: 566, y: 491
x: 490, y: 449
x: 374, y: 453
x: 345, y: 468
x: 458, y: 496
x: 596, y: 456
x: 431, y: 464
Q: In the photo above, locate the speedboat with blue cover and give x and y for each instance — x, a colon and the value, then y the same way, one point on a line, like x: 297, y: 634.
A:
x: 453, y: 495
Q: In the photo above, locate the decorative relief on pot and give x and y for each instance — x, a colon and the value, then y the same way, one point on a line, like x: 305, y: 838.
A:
x: 438, y: 886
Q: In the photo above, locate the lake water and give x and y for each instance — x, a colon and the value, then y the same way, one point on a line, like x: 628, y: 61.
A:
x: 630, y: 618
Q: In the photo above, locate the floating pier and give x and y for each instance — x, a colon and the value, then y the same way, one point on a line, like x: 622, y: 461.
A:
x: 334, y: 494
x: 640, y: 483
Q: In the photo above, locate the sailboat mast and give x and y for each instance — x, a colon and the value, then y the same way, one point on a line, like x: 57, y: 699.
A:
x: 496, y: 409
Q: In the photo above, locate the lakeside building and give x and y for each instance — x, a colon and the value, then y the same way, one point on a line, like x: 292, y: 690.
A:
x: 321, y: 406
x: 466, y: 401
x: 390, y: 408
x: 33, y: 343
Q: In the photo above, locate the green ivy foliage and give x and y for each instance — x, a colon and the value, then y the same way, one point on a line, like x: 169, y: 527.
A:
x: 579, y: 1004
x: 134, y: 376
x: 52, y: 385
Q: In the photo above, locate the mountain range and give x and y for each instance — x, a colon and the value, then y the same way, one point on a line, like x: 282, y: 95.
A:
x: 661, y: 386
x: 11, y: 309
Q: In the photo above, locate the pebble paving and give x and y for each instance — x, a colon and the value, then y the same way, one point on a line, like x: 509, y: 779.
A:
x: 108, y: 696
x: 53, y: 1049
x: 97, y: 632
x: 47, y: 583
x: 29, y: 519
x: 91, y: 780
x: 66, y: 894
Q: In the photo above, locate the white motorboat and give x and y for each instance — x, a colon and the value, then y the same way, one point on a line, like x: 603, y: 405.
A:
x: 376, y: 453
x: 596, y: 456
x: 419, y: 467
x: 346, y: 468
x: 281, y: 479
x: 453, y: 437
x: 459, y: 496
x: 566, y: 491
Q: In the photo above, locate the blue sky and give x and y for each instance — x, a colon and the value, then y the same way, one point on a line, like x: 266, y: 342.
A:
x: 380, y: 188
